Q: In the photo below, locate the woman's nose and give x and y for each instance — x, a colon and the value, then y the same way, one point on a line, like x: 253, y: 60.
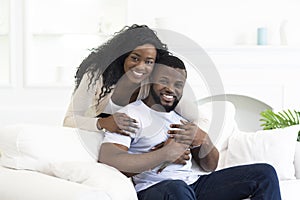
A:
x: 141, y: 64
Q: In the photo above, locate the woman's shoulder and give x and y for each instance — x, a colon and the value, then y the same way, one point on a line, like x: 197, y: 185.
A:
x: 92, y: 80
x: 92, y: 76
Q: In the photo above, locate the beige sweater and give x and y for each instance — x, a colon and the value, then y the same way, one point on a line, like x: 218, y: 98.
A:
x: 84, y: 107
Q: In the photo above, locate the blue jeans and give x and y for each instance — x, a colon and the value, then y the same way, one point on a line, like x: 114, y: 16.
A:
x: 256, y: 181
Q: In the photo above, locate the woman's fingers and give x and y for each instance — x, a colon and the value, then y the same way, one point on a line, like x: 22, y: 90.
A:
x: 122, y: 132
x: 183, y: 133
x: 125, y: 123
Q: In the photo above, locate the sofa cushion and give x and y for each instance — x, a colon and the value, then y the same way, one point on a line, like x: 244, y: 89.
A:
x: 217, y: 119
x: 31, y: 185
x: 297, y: 160
x: 276, y: 147
x: 289, y: 189
x: 96, y: 175
x: 34, y: 147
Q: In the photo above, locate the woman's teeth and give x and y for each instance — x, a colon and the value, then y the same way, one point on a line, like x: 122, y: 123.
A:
x: 138, y: 73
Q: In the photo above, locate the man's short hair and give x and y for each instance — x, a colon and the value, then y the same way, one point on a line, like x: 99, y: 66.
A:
x: 171, y: 61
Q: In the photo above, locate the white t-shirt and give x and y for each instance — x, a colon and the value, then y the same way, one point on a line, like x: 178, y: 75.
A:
x: 153, y: 127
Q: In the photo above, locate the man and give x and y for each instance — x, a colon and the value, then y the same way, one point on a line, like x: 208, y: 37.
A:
x: 166, y: 172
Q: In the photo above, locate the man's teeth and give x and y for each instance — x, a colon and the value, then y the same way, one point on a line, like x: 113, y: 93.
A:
x: 138, y: 73
x: 168, y: 96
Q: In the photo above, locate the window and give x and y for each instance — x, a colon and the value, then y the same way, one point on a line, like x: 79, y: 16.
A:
x: 60, y: 33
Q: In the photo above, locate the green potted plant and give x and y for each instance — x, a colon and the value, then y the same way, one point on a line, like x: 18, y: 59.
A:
x: 272, y: 120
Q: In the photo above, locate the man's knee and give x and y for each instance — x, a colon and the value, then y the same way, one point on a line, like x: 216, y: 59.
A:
x: 173, y: 185
x: 267, y: 170
x: 268, y: 180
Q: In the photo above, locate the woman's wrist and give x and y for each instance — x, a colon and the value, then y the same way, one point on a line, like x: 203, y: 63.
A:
x: 99, y: 124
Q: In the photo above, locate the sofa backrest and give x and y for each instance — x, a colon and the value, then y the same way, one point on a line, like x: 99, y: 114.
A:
x: 248, y: 109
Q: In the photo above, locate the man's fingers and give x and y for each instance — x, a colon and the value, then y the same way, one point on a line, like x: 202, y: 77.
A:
x: 186, y: 157
x: 158, y: 146
x: 187, y: 152
x: 182, y: 160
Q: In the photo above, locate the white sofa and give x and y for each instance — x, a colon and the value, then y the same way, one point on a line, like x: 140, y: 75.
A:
x: 47, y: 162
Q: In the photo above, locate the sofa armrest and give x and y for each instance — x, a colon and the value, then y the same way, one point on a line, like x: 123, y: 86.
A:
x: 30, y: 185
x: 297, y: 160
x: 97, y: 175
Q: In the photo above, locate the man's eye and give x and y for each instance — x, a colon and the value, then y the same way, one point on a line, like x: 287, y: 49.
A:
x: 163, y: 82
x: 179, y: 85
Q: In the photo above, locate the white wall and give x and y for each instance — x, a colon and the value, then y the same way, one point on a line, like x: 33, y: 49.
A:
x: 218, y: 22
x: 228, y: 32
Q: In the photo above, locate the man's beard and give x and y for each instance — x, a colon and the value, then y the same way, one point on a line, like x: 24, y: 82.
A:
x: 156, y: 99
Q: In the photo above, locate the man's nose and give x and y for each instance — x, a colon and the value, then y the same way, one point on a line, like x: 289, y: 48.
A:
x: 170, y: 88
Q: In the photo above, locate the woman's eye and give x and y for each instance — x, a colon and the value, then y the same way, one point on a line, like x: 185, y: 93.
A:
x: 134, y: 58
x: 149, y: 62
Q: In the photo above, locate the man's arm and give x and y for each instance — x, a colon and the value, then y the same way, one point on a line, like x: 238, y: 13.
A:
x: 117, y: 156
x: 206, y: 155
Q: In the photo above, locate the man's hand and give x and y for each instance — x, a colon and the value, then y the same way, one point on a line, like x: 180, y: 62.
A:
x: 182, y: 159
x: 179, y: 150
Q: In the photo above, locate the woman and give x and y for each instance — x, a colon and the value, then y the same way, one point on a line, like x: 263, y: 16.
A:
x: 101, y: 87
x: 113, y: 75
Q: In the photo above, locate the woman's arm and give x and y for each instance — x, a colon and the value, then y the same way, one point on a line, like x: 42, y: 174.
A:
x: 84, y: 105
x: 81, y: 102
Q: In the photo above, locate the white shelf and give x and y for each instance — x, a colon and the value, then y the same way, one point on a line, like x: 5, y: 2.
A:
x: 253, y: 48
x: 49, y: 34
x: 50, y: 85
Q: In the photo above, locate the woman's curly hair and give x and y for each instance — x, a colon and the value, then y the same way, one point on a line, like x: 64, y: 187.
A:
x: 108, y: 59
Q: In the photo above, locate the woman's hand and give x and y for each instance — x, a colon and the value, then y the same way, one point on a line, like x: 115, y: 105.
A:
x: 118, y: 123
x: 203, y: 150
x: 184, y: 133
